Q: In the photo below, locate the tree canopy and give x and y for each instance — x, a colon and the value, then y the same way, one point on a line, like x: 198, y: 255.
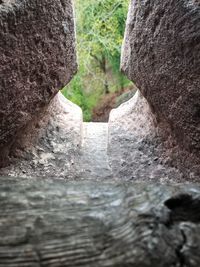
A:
x: 100, y: 28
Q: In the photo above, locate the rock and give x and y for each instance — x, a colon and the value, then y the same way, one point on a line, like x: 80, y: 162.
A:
x: 125, y: 97
x: 161, y: 54
x: 37, y: 48
x: 134, y: 148
x: 52, y: 148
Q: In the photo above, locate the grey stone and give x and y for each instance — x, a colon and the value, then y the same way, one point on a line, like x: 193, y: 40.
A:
x: 135, y: 150
x: 53, y: 147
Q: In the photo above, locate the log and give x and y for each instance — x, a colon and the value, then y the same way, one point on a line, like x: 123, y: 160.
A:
x: 56, y: 223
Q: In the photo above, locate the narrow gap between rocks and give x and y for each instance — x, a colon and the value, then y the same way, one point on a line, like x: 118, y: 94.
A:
x: 99, y: 86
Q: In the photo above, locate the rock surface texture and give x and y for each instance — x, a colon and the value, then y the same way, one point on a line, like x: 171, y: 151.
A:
x: 37, y: 48
x: 57, y: 224
x: 161, y: 54
x: 94, y: 162
x: 56, y: 153
x: 135, y: 150
x: 154, y: 136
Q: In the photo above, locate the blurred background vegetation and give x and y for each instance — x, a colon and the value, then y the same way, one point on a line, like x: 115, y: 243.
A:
x: 100, y: 26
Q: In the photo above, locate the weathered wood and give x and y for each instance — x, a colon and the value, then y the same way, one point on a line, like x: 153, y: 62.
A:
x: 54, y: 223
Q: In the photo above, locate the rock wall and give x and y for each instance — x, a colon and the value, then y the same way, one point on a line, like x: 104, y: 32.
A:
x: 52, y: 147
x: 37, y: 48
x: 134, y: 147
x: 161, y: 54
x: 156, y: 135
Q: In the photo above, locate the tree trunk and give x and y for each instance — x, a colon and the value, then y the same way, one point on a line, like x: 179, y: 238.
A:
x: 104, y: 69
x: 56, y: 224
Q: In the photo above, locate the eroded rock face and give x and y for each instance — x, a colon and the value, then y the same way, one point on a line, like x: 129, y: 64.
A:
x: 52, y: 147
x: 161, y: 54
x: 135, y: 150
x: 37, y: 48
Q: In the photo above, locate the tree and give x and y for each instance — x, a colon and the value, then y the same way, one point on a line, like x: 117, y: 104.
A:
x: 100, y: 31
x: 100, y: 28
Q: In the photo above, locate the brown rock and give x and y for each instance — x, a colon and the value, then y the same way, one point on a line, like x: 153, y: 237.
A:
x: 162, y: 55
x: 37, y: 48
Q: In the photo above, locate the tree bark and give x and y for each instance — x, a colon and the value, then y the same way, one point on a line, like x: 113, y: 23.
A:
x: 103, y: 67
x: 57, y: 224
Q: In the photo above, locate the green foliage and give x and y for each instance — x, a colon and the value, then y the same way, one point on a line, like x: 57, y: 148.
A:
x: 100, y: 30
x: 77, y: 95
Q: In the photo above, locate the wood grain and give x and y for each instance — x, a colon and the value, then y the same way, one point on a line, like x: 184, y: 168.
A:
x: 57, y: 224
